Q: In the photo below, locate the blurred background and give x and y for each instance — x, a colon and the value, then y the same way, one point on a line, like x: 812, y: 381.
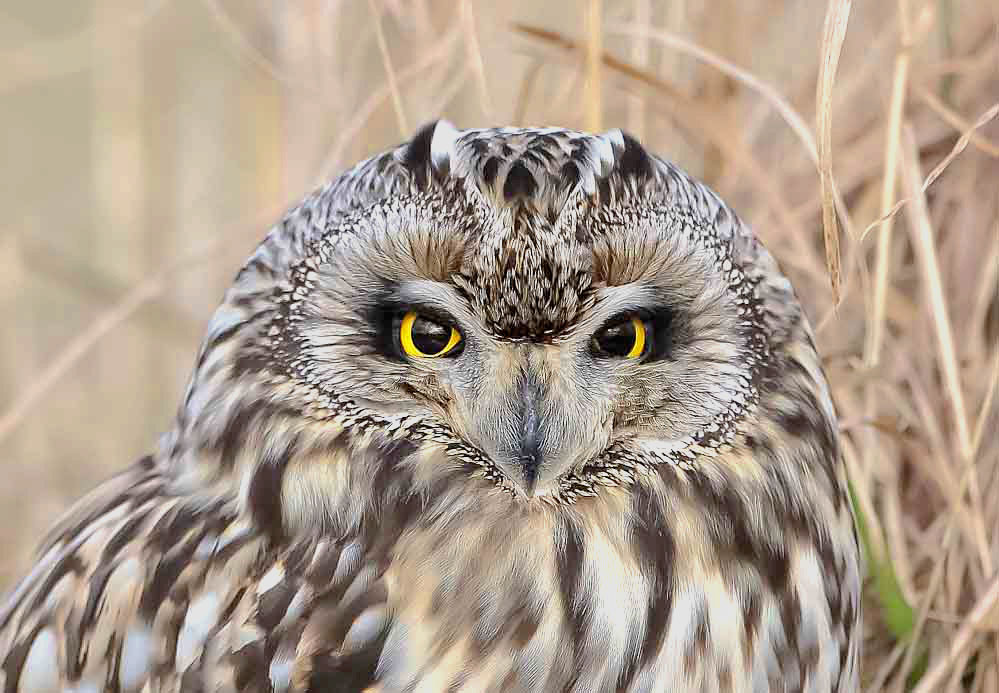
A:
x: 147, y: 146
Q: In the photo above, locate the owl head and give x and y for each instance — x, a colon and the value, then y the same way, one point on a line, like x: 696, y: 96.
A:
x: 544, y: 310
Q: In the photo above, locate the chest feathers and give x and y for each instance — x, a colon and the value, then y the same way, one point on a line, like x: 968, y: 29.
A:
x: 605, y: 595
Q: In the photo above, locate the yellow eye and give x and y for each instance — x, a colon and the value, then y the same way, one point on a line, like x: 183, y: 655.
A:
x: 625, y: 339
x: 422, y: 338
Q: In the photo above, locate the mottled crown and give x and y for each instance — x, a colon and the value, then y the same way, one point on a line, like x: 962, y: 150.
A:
x: 531, y: 271
x: 513, y: 182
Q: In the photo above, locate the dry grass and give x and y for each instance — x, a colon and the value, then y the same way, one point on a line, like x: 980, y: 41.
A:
x: 819, y: 122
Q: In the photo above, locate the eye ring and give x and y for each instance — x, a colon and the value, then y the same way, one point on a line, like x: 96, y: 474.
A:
x: 423, y: 338
x: 625, y: 339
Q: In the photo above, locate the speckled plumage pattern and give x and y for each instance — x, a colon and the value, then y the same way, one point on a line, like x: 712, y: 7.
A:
x: 327, y: 516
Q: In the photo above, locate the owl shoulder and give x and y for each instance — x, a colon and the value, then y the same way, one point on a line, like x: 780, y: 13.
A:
x: 137, y: 585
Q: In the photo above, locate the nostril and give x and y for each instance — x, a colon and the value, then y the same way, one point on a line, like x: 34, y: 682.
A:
x: 529, y: 455
x: 530, y: 466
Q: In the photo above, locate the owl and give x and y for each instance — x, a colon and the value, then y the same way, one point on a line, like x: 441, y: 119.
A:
x: 495, y: 410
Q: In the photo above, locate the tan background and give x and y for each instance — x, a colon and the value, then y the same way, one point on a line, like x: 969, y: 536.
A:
x: 147, y: 145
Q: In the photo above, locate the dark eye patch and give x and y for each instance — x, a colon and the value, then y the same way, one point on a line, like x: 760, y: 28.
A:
x: 382, y: 313
x: 382, y: 317
x: 664, y: 333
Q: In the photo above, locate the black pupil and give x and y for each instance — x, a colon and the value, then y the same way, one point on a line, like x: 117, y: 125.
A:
x: 617, y: 340
x: 429, y: 336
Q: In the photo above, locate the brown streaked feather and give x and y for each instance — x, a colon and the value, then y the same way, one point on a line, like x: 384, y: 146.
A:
x: 138, y: 585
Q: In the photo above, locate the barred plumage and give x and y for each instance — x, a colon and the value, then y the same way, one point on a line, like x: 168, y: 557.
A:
x: 330, y: 512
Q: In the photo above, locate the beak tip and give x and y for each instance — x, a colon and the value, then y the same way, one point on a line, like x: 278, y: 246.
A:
x: 530, y: 468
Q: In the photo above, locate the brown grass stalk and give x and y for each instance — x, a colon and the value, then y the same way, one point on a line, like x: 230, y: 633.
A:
x: 977, y: 616
x: 837, y: 15
x: 921, y: 231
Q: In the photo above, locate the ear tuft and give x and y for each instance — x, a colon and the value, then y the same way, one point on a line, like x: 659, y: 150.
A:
x: 430, y: 150
x: 442, y: 146
x: 633, y: 161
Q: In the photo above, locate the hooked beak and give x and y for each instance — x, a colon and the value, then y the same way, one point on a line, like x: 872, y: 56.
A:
x: 536, y: 420
x: 529, y: 455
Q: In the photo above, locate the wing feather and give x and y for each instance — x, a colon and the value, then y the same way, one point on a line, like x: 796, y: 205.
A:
x: 138, y: 588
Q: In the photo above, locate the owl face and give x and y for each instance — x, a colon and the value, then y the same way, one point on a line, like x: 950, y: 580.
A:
x: 536, y: 306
